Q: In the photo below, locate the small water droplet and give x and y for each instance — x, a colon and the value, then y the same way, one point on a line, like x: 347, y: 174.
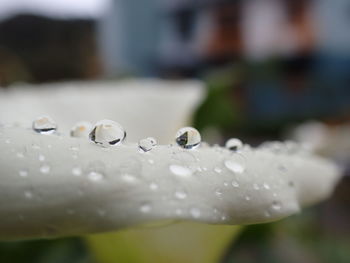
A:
x: 153, y: 186
x: 8, y: 141
x: 45, y: 169
x: 234, y: 144
x: 178, y: 211
x: 145, y: 208
x: 180, y: 194
x: 23, y: 173
x: 234, y: 166
x: 28, y: 194
x: 188, y: 138
x: 76, y: 171
x: 95, y: 176
x: 217, y: 170
x: 20, y: 155
x: 235, y: 184
x: 107, y: 133
x: 256, y: 186
x: 276, y: 205
x: 266, y: 186
x: 218, y: 192
x: 247, y: 197
x: 41, y: 158
x: 101, y: 212
x: 44, y: 125
x: 147, y: 144
x: 151, y: 161
x: 282, y: 168
x: 128, y: 178
x: 195, y: 212
x: 226, y: 184
x: 180, y: 170
x: 81, y: 129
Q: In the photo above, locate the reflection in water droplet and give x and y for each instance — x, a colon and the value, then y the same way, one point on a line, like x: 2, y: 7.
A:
x: 235, y: 184
x: 107, y: 133
x: 195, y: 212
x: 76, y: 171
x: 145, y: 208
x: 147, y: 144
x: 180, y: 194
x: 234, y: 144
x: 23, y: 173
x: 95, y: 176
x: 180, y: 170
x: 188, y: 138
x: 44, y: 125
x: 234, y: 166
x: 81, y: 129
x: 45, y: 169
x: 153, y: 186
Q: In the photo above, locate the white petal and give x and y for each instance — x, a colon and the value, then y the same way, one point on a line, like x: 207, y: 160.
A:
x: 112, y: 189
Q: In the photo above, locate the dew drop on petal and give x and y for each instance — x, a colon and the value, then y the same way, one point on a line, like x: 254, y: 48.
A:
x: 81, y: 129
x: 147, y: 144
x: 256, y: 187
x: 107, y: 133
x: 95, y: 176
x: 217, y: 170
x: 218, y: 192
x: 234, y: 166
x: 234, y: 144
x: 266, y: 186
x: 180, y: 194
x: 145, y: 208
x: 45, y: 169
x: 41, y: 158
x: 180, y: 170
x: 44, y: 125
x: 188, y: 138
x: 235, y: 184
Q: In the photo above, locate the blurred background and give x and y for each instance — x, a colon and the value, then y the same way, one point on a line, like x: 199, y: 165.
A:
x: 269, y: 66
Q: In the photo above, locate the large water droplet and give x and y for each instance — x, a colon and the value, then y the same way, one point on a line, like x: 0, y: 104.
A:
x: 234, y: 166
x: 81, y: 129
x: 180, y: 170
x: 147, y: 144
x: 180, y: 194
x: 188, y: 138
x: 195, y: 212
x: 44, y: 125
x: 107, y: 133
x: 234, y: 144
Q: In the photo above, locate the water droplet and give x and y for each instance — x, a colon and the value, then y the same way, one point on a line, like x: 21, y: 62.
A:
x: 45, y: 169
x: 256, y: 187
x: 226, y: 184
x: 218, y: 192
x: 23, y: 173
x: 44, y: 125
x: 153, y: 186
x: 145, y: 208
x: 180, y: 194
x: 28, y: 194
x: 282, y: 168
x: 95, y: 176
x: 188, y: 138
x: 266, y: 186
x: 276, y: 205
x: 178, y: 211
x: 247, y: 197
x: 195, y: 212
x: 107, y: 133
x: 128, y: 178
x: 76, y: 171
x: 235, y: 184
x: 180, y: 170
x: 81, y: 129
x: 41, y: 158
x: 151, y: 161
x: 147, y: 144
x: 8, y: 141
x: 217, y: 170
x: 234, y: 144
x: 234, y: 166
